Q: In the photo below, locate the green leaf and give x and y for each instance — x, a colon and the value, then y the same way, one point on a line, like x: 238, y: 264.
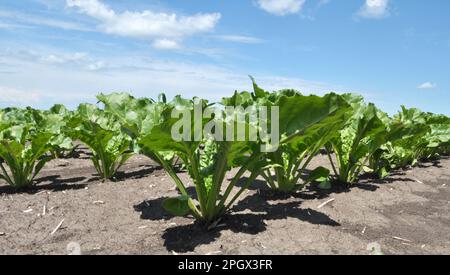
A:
x: 319, y: 174
x: 325, y: 185
x: 101, y: 132
x: 383, y: 173
x: 177, y: 206
x: 363, y: 135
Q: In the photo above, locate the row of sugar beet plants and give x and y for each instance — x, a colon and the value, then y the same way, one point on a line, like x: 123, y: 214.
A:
x: 358, y: 138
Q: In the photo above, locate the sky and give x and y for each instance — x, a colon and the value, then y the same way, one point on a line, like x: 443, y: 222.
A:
x: 394, y: 52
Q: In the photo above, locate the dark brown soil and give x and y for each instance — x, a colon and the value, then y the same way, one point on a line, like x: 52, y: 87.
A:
x: 408, y: 213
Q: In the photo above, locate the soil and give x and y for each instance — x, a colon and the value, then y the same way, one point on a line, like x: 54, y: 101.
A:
x: 407, y: 213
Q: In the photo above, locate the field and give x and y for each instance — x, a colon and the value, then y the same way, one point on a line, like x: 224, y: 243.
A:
x: 258, y: 173
x: 406, y: 213
x: 242, y: 129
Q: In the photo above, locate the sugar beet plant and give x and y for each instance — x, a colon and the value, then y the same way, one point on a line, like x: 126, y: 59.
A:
x: 54, y: 120
x: 353, y: 146
x: 207, y: 159
x: 50, y: 121
x: 137, y: 116
x: 102, y: 134
x: 150, y: 124
x: 23, y: 153
x: 306, y: 124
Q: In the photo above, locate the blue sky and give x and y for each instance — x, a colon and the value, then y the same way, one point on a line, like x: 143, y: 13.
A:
x: 393, y: 52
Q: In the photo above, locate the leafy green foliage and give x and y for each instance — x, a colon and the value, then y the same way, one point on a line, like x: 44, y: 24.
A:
x: 53, y: 121
x: 101, y: 133
x: 207, y: 161
x: 306, y: 123
x: 357, y: 137
x: 362, y: 135
x: 50, y: 121
x: 22, y: 154
x: 414, y: 136
x: 137, y: 116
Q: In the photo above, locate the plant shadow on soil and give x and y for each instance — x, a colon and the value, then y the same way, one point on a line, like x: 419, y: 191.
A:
x: 144, y: 171
x: 312, y: 191
x: 56, y: 185
x: 248, y: 216
x: 121, y: 176
x: 153, y: 210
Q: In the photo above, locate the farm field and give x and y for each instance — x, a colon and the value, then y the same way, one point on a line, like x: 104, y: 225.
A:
x: 406, y: 213
x: 235, y: 130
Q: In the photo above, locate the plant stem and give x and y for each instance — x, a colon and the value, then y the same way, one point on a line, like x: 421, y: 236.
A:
x: 245, y: 187
x: 239, y: 174
x: 269, y: 179
x: 332, y: 163
x: 6, y: 176
x: 169, y: 169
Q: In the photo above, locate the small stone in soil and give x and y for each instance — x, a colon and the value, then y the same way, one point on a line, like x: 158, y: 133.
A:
x: 2, y: 234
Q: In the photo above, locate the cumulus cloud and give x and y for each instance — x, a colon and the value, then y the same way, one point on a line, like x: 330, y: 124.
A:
x: 374, y: 9
x: 426, y: 86
x: 281, y: 7
x: 146, y: 24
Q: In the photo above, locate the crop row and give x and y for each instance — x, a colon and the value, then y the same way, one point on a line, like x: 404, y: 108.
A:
x: 357, y: 138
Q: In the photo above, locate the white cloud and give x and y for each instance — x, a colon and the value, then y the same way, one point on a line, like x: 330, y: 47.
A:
x: 40, y: 21
x: 426, y: 86
x: 15, y: 96
x: 374, y: 9
x: 323, y: 2
x: 8, y: 26
x: 64, y: 58
x: 72, y: 85
x: 165, y: 44
x: 49, y: 57
x: 240, y: 39
x: 147, y: 23
x: 96, y: 66
x: 281, y: 7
